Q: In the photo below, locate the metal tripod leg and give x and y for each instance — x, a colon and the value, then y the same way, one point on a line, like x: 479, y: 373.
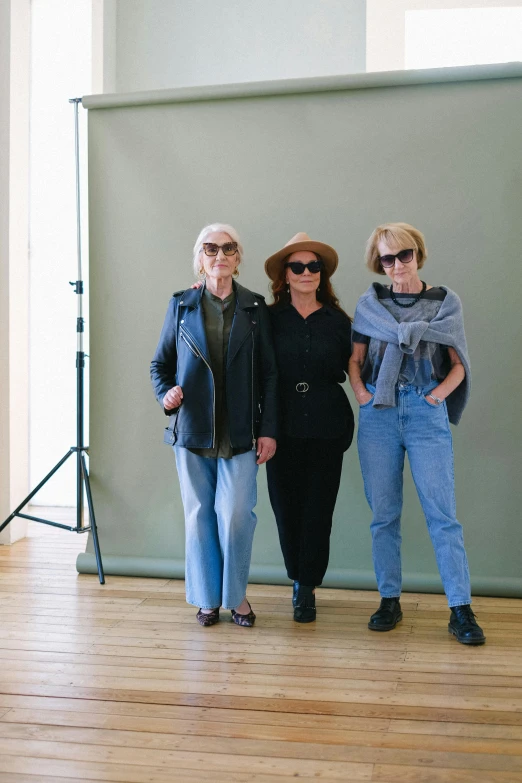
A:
x: 94, y: 530
x: 26, y: 500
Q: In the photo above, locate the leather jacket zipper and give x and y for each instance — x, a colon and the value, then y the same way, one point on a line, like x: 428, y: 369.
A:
x: 252, y: 404
x: 189, y: 346
x: 195, y: 350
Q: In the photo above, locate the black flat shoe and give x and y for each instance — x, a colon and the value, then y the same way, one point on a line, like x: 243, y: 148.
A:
x: 294, y: 593
x: 387, y: 615
x: 464, y: 626
x: 208, y: 618
x: 304, y: 611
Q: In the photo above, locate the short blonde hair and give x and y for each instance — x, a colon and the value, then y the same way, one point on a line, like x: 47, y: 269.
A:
x: 402, y: 236
x: 214, y: 228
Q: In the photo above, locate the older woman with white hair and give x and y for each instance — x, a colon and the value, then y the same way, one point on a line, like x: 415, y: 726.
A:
x: 214, y: 373
x: 409, y: 370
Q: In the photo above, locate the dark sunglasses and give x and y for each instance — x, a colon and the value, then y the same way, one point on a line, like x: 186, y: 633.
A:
x: 211, y: 249
x: 298, y: 267
x: 405, y: 256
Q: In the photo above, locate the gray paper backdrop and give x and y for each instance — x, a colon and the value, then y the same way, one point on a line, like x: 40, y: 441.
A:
x: 334, y: 163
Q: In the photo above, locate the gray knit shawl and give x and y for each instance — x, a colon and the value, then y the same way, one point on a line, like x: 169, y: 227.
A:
x: 374, y: 320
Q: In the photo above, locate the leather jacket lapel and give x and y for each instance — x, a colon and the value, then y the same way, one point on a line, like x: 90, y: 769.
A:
x: 245, y: 319
x: 192, y: 320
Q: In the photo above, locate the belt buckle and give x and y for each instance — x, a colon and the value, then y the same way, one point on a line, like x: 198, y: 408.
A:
x: 302, y: 387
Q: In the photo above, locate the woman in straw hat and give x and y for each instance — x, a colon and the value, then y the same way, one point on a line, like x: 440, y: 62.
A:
x: 312, y: 337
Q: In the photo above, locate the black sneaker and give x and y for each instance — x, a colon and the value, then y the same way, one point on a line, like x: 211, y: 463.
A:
x: 387, y: 615
x: 464, y: 626
x: 304, y: 611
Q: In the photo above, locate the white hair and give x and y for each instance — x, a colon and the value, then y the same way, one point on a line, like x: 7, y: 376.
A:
x: 213, y: 228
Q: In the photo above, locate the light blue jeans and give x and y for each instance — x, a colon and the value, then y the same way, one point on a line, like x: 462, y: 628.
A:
x: 422, y: 430
x: 218, y: 496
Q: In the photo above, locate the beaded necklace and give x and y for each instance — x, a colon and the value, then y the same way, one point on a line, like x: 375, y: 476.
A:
x: 415, y: 299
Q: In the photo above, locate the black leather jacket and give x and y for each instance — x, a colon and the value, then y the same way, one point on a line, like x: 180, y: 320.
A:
x: 182, y: 359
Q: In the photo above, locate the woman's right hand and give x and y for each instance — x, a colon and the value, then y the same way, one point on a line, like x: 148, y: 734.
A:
x: 355, y: 367
x: 173, y: 398
x: 362, y: 399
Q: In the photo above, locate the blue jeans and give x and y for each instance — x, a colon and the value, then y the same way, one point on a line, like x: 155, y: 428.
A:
x: 421, y: 429
x: 218, y: 496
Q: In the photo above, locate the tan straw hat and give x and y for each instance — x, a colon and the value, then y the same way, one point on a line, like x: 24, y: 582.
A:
x: 302, y: 241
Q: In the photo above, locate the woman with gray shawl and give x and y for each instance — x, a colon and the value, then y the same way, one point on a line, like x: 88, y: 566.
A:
x: 409, y: 370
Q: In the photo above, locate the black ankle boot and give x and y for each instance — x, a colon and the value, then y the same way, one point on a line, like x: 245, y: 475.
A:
x: 304, y: 611
x: 464, y: 626
x: 387, y: 615
x: 294, y: 592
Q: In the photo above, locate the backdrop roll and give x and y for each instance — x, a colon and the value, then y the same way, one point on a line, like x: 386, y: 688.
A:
x: 332, y: 157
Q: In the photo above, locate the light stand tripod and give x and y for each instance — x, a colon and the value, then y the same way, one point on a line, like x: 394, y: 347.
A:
x: 82, y: 474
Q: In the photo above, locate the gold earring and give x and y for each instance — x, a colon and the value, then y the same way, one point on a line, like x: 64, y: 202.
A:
x: 235, y: 273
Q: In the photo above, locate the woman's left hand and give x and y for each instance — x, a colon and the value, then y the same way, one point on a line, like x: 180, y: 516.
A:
x: 266, y: 448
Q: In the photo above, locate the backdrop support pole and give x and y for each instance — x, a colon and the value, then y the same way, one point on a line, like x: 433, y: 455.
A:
x: 80, y: 450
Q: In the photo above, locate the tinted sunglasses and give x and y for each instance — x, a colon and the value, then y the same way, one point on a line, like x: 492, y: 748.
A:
x: 298, y: 267
x: 211, y: 249
x: 405, y: 256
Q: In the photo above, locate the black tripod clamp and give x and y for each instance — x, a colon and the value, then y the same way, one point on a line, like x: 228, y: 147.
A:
x: 78, y: 286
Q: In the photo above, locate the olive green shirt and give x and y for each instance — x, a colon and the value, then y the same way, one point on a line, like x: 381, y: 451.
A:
x: 218, y: 315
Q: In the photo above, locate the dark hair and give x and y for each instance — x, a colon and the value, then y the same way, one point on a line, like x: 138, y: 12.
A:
x: 325, y: 294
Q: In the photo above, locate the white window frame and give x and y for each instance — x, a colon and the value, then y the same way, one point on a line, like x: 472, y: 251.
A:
x: 385, y: 27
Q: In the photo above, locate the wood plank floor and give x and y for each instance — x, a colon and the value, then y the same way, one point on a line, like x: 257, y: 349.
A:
x: 119, y: 683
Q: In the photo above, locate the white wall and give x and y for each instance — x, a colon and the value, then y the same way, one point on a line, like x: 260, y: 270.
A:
x: 5, y: 21
x: 14, y: 174
x: 171, y: 43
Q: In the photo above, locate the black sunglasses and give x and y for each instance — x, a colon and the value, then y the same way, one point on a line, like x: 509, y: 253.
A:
x: 298, y: 267
x: 404, y: 256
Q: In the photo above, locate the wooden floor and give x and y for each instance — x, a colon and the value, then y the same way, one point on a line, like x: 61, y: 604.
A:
x: 119, y: 683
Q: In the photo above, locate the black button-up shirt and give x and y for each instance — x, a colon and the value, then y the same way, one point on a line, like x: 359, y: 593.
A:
x: 313, y: 352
